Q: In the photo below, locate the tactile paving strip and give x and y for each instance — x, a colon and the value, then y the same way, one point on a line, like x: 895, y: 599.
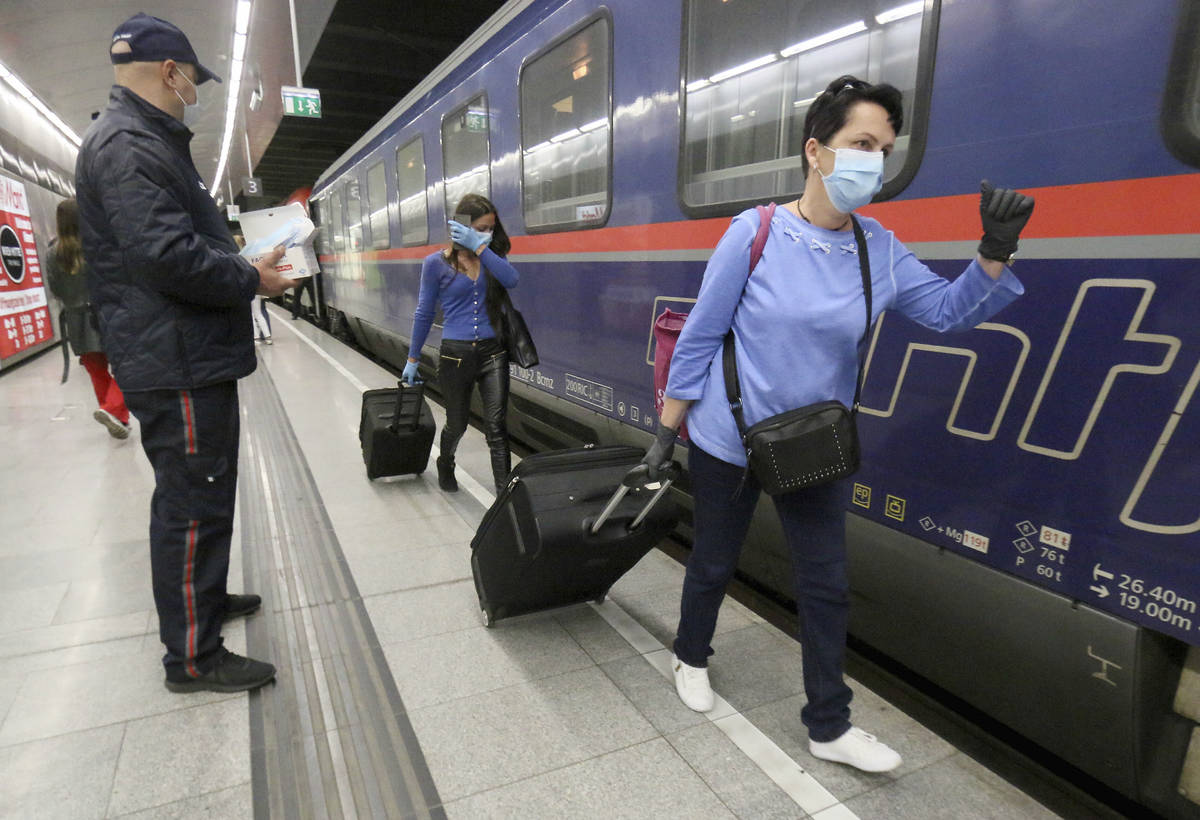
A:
x: 330, y: 738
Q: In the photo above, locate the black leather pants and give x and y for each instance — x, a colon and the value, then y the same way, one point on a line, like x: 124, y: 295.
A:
x: 483, y: 363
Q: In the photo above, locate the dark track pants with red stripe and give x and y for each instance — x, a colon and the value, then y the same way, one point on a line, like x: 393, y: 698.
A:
x: 191, y: 439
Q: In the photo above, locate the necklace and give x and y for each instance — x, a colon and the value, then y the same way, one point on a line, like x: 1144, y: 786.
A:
x: 841, y: 227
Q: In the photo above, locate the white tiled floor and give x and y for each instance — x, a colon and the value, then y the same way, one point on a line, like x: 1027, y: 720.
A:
x: 556, y: 715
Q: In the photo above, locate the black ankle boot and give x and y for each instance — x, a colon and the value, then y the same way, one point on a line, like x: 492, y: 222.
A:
x: 445, y: 468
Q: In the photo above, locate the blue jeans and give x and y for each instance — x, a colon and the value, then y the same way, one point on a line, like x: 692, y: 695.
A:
x: 815, y: 529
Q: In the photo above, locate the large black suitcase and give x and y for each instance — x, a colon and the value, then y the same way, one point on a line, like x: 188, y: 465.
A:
x: 559, y: 534
x: 396, y: 430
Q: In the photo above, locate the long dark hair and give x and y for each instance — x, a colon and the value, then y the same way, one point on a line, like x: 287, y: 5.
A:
x: 69, y: 250
x: 475, y: 206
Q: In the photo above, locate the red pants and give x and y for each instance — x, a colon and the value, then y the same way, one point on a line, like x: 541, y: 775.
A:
x: 107, y: 392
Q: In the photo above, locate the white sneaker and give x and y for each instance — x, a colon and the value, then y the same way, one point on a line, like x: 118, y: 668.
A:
x: 858, y: 749
x: 691, y: 683
x: 116, y: 427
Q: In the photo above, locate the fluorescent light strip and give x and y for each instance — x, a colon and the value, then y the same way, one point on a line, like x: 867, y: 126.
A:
x: 824, y: 39
x: 900, y: 12
x: 766, y: 59
x: 240, y: 34
x: 18, y: 86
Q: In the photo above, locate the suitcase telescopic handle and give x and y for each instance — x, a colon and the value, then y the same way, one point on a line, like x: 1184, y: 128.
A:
x: 637, y: 478
x: 404, y: 386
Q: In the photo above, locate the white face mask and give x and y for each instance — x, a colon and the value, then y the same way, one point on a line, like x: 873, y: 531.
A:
x: 191, y: 111
x: 855, y: 179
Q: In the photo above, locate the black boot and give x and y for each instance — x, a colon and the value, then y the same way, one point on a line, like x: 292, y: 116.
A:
x: 445, y: 468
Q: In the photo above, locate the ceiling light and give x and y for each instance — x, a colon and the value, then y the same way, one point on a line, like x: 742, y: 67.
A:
x: 242, y: 22
x: 15, y: 83
x: 242, y: 26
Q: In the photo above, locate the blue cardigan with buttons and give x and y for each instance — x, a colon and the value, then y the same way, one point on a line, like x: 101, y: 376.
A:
x: 465, y: 316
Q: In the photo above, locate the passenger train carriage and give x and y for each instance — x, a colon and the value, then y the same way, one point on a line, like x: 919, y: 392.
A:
x: 1025, y: 529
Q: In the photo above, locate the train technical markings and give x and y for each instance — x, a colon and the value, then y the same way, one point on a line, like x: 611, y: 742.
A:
x: 975, y: 541
x: 621, y: 409
x: 1055, y: 538
x: 927, y: 523
x: 589, y: 392
x: 1104, y: 667
x: 1026, y: 528
x: 894, y: 507
x: 530, y: 376
x: 1023, y: 545
x: 862, y: 495
x: 634, y: 413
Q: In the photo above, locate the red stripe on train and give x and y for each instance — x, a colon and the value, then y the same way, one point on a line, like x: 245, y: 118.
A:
x: 1131, y: 207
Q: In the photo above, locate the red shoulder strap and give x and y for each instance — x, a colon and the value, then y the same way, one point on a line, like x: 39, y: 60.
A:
x: 765, y: 213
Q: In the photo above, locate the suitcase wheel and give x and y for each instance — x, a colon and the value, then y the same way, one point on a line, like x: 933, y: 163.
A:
x: 599, y: 599
x: 485, y: 615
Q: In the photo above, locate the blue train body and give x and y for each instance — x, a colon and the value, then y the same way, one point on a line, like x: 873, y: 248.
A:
x: 1055, y: 444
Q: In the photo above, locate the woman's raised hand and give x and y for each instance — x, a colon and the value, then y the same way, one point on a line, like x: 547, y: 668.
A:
x: 1004, y: 213
x: 468, y: 237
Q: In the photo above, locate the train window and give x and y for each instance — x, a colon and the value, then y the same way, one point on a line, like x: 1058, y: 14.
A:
x: 321, y: 220
x: 749, y: 80
x: 377, y: 206
x: 565, y: 114
x: 354, y: 215
x: 337, y: 232
x: 410, y: 190
x: 465, y: 153
x: 1181, y: 101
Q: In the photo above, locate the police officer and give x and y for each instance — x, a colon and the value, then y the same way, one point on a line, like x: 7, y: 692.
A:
x: 173, y: 301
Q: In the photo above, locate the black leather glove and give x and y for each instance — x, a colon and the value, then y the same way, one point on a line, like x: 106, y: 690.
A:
x: 660, y: 452
x: 1004, y: 213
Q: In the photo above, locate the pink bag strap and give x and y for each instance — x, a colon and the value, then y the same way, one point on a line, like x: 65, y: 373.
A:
x: 765, y: 214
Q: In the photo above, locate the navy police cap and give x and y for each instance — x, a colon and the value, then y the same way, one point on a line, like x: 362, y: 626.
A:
x: 152, y: 40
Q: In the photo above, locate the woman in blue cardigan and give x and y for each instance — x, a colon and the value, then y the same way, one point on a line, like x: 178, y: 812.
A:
x: 468, y: 278
x: 797, y: 321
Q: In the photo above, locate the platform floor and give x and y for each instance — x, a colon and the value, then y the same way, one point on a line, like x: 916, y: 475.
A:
x: 392, y: 700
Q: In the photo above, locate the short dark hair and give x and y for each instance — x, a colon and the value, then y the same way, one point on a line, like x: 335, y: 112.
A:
x: 828, y: 113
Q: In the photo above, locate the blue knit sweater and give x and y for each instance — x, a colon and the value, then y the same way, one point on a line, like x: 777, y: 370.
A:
x: 798, y: 323
x: 463, y: 310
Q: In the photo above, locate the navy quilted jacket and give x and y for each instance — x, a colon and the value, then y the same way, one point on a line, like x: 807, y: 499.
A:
x: 171, y: 293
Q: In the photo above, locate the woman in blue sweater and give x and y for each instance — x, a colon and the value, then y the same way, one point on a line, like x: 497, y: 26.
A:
x: 797, y: 321
x: 468, y: 279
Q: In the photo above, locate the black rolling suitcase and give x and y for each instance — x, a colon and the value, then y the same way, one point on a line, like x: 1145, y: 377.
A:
x: 558, y: 534
x: 396, y: 430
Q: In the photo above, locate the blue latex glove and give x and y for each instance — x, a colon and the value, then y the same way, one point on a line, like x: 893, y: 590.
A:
x: 468, y: 237
x: 409, y: 376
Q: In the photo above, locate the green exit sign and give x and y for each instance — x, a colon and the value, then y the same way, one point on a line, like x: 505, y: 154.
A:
x: 301, y: 102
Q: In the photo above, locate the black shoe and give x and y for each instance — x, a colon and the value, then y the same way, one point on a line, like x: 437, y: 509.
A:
x: 238, y: 605
x: 446, y: 480
x: 231, y: 673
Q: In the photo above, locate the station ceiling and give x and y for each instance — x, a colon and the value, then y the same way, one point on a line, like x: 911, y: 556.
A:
x: 368, y: 55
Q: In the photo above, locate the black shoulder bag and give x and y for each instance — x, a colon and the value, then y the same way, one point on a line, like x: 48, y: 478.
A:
x: 808, y: 446
x: 515, y: 335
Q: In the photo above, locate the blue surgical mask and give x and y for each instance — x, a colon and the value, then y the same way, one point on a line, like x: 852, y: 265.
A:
x: 856, y: 177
